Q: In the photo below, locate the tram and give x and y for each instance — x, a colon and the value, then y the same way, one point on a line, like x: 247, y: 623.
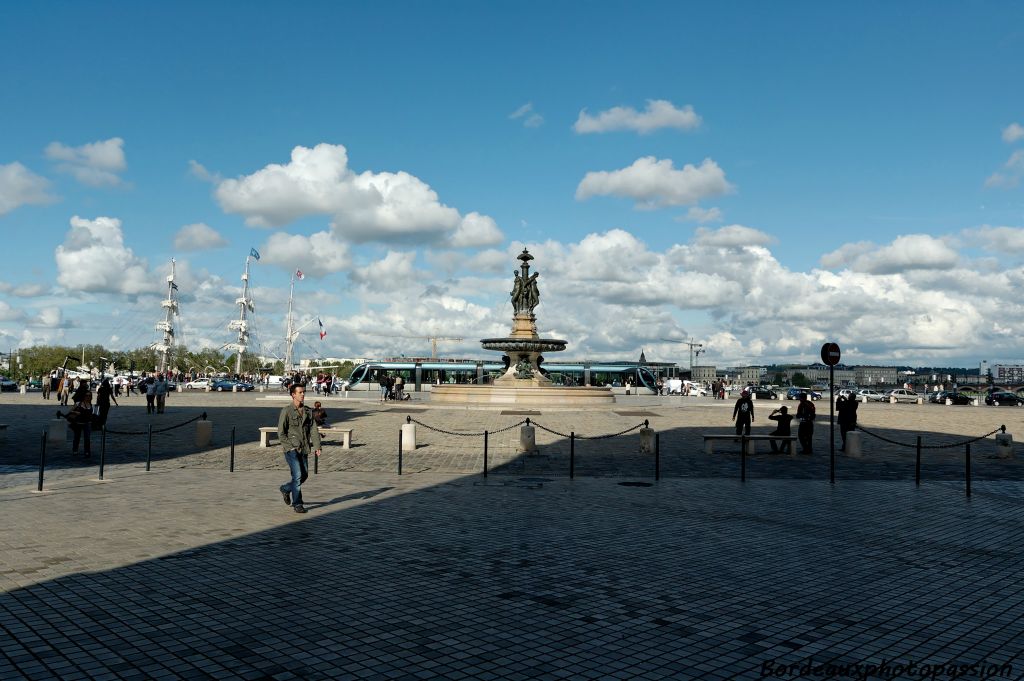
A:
x: 435, y: 372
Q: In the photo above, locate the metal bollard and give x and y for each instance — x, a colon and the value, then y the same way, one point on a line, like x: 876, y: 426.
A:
x: 103, y: 449
x: 399, y: 452
x: 572, y: 455
x: 485, y: 453
x: 646, y: 439
x: 231, y: 460
x: 967, y: 469
x: 1004, y: 444
x: 149, y: 448
x: 917, y: 465
x: 743, y: 458
x: 657, y: 456
x: 42, y: 461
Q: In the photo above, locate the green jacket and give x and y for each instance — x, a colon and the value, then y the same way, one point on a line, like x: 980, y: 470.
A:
x: 297, y: 430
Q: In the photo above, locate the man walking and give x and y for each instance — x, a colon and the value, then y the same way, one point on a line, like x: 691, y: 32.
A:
x: 299, y: 435
x: 805, y: 432
x: 160, y: 392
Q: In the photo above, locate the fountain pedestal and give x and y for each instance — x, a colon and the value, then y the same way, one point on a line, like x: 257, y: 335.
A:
x: 523, y: 383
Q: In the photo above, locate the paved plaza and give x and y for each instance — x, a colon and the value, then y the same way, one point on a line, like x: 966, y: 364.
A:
x: 189, y: 571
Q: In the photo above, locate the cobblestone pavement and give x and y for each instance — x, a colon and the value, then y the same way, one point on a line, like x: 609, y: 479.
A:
x: 680, y: 422
x: 190, y: 573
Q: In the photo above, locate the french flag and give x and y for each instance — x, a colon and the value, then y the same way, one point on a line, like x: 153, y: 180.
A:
x: 322, y: 331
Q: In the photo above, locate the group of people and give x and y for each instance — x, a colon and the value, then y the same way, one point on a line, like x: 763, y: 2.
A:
x: 743, y: 415
x: 84, y: 416
x: 391, y: 387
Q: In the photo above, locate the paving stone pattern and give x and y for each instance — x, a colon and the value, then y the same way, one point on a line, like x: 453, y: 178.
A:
x: 195, y: 573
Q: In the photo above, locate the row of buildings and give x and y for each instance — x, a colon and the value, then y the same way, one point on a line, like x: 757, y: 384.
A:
x: 863, y: 376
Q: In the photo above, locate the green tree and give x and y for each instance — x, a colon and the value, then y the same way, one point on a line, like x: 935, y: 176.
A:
x: 801, y: 381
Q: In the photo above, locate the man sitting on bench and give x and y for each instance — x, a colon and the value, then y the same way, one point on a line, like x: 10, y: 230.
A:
x: 784, y: 419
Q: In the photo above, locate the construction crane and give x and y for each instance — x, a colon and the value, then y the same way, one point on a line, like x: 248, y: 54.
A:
x: 433, y: 340
x: 695, y: 349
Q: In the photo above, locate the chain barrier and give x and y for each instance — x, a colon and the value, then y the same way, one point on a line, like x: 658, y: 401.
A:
x: 591, y: 437
x: 462, y: 434
x: 157, y: 430
x: 950, y: 445
x: 525, y: 422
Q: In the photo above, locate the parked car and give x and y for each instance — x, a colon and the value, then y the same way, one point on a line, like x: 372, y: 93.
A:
x: 871, y: 395
x: 7, y: 385
x: 763, y: 392
x: 1003, y: 399
x: 902, y: 395
x: 198, y: 384
x: 222, y: 385
x: 956, y: 397
x: 794, y: 394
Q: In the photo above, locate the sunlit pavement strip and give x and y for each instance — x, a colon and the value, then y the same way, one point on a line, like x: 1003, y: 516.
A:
x: 192, y: 573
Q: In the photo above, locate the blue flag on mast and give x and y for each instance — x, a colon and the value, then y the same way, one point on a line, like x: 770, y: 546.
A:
x: 254, y: 253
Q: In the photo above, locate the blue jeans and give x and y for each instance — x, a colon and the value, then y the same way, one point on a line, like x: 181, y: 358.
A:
x: 298, y: 464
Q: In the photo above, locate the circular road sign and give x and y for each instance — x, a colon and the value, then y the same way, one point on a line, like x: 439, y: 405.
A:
x: 830, y: 354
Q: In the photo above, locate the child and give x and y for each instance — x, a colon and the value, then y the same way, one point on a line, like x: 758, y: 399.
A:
x: 320, y: 415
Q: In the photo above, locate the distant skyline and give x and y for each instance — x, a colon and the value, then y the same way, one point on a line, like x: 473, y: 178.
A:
x: 761, y: 178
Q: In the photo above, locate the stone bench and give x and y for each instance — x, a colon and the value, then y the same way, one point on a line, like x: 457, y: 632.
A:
x: 709, y: 441
x: 266, y: 432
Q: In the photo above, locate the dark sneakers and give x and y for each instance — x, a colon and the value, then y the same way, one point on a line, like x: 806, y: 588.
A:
x: 287, y: 496
x: 299, y: 509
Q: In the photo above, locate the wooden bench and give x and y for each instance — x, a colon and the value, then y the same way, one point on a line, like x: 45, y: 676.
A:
x: 266, y: 432
x: 709, y: 441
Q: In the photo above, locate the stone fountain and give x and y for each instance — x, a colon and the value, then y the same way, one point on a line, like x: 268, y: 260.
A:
x: 523, y: 381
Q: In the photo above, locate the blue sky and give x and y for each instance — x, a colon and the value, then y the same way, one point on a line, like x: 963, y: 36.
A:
x: 761, y: 177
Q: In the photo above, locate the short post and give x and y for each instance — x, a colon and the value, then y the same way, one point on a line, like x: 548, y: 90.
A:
x: 204, y: 432
x: 1004, y: 444
x: 103, y: 449
x: 316, y: 460
x: 572, y: 454
x: 917, y: 465
x: 527, y: 439
x: 967, y: 468
x: 149, y: 448
x: 42, y: 461
x: 743, y: 458
x: 485, y: 453
x: 657, y: 456
x: 399, y: 452
x: 646, y: 438
x: 409, y: 432
x: 231, y: 459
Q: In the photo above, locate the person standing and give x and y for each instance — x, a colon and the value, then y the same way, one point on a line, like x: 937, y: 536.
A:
x: 298, y: 434
x: 104, y: 394
x: 784, y: 419
x: 150, y: 388
x: 161, y: 393
x: 846, y: 408
x: 46, y: 386
x: 805, y: 431
x: 80, y: 420
x: 743, y: 413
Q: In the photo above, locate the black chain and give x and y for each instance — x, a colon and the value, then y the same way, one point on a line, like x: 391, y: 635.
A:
x: 158, y: 430
x: 945, y: 446
x: 590, y: 437
x: 461, y: 434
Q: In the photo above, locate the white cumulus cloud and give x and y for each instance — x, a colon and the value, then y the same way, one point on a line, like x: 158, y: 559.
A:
x: 654, y: 183
x: 19, y: 186
x: 659, y: 114
x: 1013, y: 132
x: 905, y: 253
x: 96, y: 164
x: 93, y: 258
x: 198, y: 237
x: 997, y: 239
x: 317, y: 255
x: 384, y: 207
x: 698, y: 214
x: 731, y: 236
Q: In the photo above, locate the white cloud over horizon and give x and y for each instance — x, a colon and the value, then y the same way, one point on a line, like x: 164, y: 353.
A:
x: 654, y: 183
x: 96, y: 164
x: 1013, y: 133
x: 381, y: 207
x: 19, y: 186
x: 659, y: 114
x: 94, y: 259
x: 198, y: 237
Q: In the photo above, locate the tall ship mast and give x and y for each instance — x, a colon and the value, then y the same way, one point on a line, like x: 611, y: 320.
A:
x: 245, y: 305
x: 289, y: 341
x: 170, y: 306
